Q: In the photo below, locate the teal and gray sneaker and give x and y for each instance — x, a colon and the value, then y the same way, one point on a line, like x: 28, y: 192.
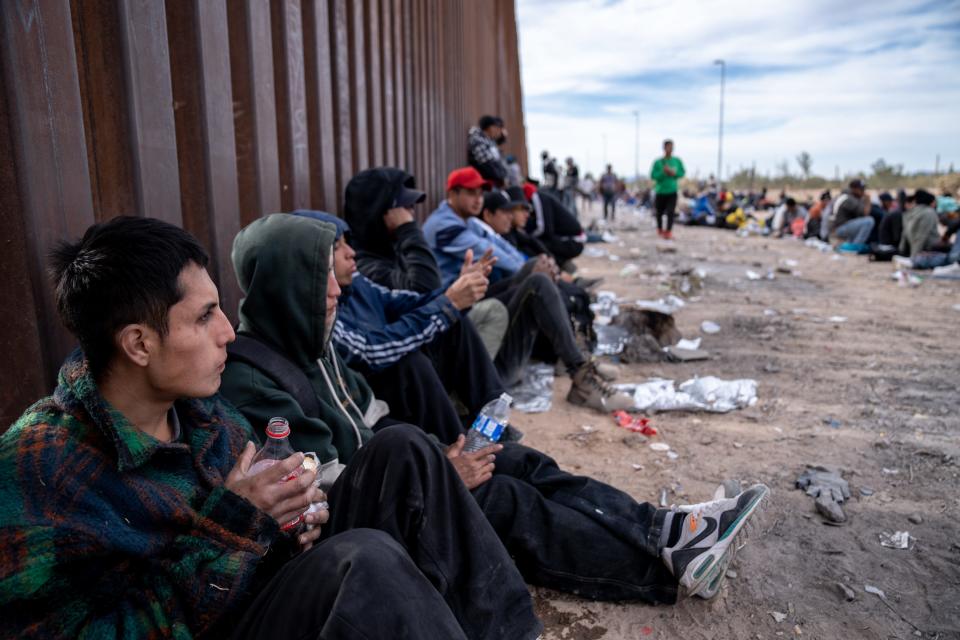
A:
x: 708, y: 539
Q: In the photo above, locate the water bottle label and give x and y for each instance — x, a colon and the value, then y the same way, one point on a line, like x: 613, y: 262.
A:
x: 488, y: 427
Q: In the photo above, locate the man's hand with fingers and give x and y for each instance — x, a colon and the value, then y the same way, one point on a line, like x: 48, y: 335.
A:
x: 266, y: 490
x: 483, y: 265
x: 473, y: 468
x: 471, y: 286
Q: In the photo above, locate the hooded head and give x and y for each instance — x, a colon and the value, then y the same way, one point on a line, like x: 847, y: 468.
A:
x: 368, y: 196
x: 344, y: 263
x: 283, y: 267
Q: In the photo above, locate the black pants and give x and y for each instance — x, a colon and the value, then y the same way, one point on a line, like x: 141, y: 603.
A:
x: 609, y: 200
x: 431, y: 568
x: 562, y: 249
x: 666, y: 205
x: 535, y: 306
x: 573, y: 533
x: 417, y: 386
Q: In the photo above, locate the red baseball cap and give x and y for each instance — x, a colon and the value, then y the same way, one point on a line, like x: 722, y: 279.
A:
x: 468, y: 178
x: 529, y: 189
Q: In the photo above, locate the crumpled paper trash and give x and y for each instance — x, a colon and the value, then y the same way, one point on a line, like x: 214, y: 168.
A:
x: 699, y: 394
x: 896, y: 540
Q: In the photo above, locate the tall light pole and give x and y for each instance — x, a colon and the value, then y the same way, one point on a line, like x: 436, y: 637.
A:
x: 636, y: 146
x: 723, y: 69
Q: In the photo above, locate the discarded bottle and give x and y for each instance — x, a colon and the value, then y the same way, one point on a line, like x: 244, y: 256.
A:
x: 489, y: 424
x: 277, y: 448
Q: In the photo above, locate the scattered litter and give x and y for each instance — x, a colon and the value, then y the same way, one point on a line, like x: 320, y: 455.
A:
x: 831, y: 422
x: 629, y: 270
x: 708, y: 394
x: 708, y: 326
x: 587, y: 428
x: 890, y: 472
x: 738, y: 445
x: 666, y: 305
x: 828, y: 489
x: 611, y: 339
x: 667, y: 247
x: 595, y: 252
x: 534, y: 392
x: 605, y: 309
x: 837, y: 319
x: 663, y: 496
x: 869, y: 588
x: 688, y: 344
x: 771, y: 368
x: 905, y: 279
x: 866, y: 491
x: 634, y: 423
x: 673, y: 455
x: 915, y: 518
x: 848, y: 594
x: 637, y: 467
x: 770, y: 313
x: 779, y: 617
x: 731, y: 574
x: 660, y: 446
x: 752, y: 275
x: 614, y: 258
x: 820, y: 245
x: 896, y: 540
x: 686, y: 355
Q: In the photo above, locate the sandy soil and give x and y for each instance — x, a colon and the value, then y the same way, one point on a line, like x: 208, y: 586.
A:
x: 887, y: 377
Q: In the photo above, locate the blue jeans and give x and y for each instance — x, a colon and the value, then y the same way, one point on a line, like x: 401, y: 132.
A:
x: 856, y: 231
x: 930, y: 260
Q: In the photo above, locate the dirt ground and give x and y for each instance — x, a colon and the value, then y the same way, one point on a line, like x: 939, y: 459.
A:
x: 876, y: 396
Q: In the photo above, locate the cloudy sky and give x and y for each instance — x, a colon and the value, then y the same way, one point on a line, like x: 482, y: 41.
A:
x: 846, y: 82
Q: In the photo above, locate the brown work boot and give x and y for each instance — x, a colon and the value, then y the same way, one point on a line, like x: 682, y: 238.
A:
x: 607, y: 371
x: 589, y: 390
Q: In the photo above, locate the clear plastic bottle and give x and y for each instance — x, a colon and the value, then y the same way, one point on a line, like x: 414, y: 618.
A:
x: 277, y: 448
x: 489, y: 424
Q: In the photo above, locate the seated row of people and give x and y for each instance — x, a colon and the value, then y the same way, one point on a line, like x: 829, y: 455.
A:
x: 132, y: 507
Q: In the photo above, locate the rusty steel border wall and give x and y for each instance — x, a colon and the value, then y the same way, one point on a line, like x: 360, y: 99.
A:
x: 211, y: 113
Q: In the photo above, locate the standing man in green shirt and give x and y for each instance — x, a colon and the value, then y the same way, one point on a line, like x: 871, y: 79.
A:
x: 666, y: 172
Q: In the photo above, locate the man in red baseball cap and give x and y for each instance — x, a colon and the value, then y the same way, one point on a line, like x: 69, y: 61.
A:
x: 534, y: 304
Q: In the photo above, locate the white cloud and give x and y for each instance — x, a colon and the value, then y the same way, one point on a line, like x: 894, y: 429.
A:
x: 847, y: 83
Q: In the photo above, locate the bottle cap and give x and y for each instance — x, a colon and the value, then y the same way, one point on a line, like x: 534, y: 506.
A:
x: 278, y: 428
x: 506, y: 397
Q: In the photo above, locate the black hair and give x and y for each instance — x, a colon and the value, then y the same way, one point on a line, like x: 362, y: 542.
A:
x: 791, y: 202
x: 667, y: 141
x: 121, y: 272
x: 922, y: 196
x: 488, y: 121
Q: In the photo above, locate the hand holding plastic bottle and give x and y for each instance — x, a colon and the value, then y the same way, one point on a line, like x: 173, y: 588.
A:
x: 266, y: 490
x: 473, y: 468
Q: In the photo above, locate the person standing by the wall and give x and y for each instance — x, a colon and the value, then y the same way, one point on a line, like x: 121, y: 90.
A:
x: 666, y: 173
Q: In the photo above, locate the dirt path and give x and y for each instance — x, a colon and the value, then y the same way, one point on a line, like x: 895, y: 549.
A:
x: 887, y: 377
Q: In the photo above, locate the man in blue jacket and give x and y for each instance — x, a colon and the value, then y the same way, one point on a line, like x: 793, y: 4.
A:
x: 414, y: 348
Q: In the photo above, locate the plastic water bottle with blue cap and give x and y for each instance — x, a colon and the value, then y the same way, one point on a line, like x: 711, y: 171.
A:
x: 489, y: 425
